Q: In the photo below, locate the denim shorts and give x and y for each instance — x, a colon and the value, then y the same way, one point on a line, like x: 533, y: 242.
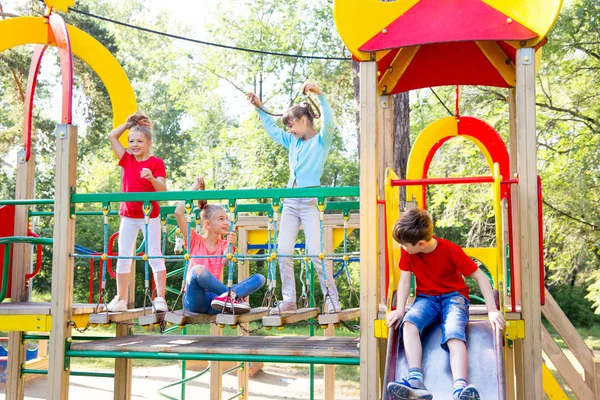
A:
x: 451, y: 309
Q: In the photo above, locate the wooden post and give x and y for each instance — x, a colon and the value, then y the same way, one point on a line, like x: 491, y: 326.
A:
x: 519, y: 379
x: 243, y: 375
x: 528, y: 223
x: 512, y: 144
x: 329, y: 370
x: 509, y: 371
x: 123, y: 370
x: 216, y: 375
x: 124, y: 366
x: 369, y: 243
x: 61, y: 305
x: 21, y: 258
x: 385, y: 127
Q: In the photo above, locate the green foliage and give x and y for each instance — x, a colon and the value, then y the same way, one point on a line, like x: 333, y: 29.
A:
x: 572, y: 300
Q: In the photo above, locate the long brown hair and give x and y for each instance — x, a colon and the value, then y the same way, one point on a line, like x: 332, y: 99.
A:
x: 296, y: 112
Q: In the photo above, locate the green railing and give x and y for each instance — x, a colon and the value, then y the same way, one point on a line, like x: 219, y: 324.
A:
x: 6, y: 241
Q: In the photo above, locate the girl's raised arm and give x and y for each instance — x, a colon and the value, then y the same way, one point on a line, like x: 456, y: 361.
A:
x: 277, y: 134
x: 114, y: 136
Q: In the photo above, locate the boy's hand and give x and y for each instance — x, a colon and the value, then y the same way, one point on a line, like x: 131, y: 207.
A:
x: 394, y: 318
x: 497, y: 319
x: 254, y: 99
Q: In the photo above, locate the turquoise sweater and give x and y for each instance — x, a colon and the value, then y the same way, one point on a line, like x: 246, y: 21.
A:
x: 306, y: 157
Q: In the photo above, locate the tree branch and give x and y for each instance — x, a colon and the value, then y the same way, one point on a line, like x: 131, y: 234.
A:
x: 564, y: 214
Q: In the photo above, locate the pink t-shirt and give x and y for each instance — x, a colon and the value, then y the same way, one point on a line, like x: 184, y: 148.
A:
x: 132, y: 182
x: 198, y: 248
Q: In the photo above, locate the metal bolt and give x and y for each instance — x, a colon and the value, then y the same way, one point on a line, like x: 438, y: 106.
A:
x: 509, y: 20
x: 526, y: 58
x: 384, y: 31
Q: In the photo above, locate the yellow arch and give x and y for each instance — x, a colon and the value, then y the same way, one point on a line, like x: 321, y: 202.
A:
x: 433, y: 133
x: 33, y: 30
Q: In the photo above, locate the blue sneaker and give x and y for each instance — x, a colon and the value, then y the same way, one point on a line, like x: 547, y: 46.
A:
x: 406, y: 390
x: 470, y: 392
x: 398, y: 391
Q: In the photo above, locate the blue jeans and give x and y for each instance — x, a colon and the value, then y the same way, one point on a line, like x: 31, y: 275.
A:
x: 452, y: 309
x: 204, y: 287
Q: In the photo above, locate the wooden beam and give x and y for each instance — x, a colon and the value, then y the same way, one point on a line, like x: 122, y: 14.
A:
x: 216, y: 370
x: 21, y: 261
x: 557, y: 318
x: 369, y: 243
x: 303, y: 314
x: 564, y: 367
x: 519, y: 379
x: 112, y: 317
x: 62, y: 263
x: 509, y: 371
x: 336, y: 318
x: 243, y: 375
x: 385, y: 127
x: 123, y: 371
x: 512, y: 143
x: 177, y: 317
x: 329, y: 370
x: 528, y: 223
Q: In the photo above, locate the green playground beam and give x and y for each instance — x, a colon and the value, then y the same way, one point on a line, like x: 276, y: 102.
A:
x: 191, y: 195
x: 72, y: 373
x: 10, y: 240
x: 146, y: 355
x: 26, y: 202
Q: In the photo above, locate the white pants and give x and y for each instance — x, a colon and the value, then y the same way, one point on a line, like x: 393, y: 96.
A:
x: 128, y: 232
x: 305, y: 212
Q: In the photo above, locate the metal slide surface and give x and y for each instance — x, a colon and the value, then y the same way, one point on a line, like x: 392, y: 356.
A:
x: 486, y: 362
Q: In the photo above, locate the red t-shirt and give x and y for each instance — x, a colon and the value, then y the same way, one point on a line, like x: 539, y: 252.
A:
x: 440, y: 271
x: 133, y: 182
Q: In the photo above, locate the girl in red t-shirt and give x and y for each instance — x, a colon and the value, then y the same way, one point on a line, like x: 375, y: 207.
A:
x: 142, y: 172
x: 205, y: 291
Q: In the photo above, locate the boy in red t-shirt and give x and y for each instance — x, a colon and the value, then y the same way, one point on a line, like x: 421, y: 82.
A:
x: 442, y: 295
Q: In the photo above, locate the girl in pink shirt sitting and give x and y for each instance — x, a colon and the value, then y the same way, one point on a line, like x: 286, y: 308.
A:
x: 205, y: 291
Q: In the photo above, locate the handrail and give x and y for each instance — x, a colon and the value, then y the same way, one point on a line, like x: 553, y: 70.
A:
x: 38, y: 262
x: 236, y: 194
x: 450, y: 181
x: 7, y: 250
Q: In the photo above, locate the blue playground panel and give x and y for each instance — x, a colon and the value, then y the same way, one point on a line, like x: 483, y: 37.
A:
x: 29, y: 355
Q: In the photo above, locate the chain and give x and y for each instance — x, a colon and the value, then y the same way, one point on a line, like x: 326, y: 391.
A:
x: 250, y: 331
x: 72, y: 324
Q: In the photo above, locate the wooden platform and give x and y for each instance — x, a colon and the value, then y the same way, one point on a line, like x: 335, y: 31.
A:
x: 29, y: 308
x: 255, y: 314
x: 179, y: 318
x: 302, y: 314
x: 316, y: 346
x: 110, y: 317
x: 150, y: 319
x: 336, y: 318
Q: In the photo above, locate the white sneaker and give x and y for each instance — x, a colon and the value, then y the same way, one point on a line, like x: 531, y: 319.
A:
x: 160, y: 305
x: 117, y: 305
x: 284, y: 308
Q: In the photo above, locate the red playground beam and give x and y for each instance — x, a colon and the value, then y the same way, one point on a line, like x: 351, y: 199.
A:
x: 450, y: 181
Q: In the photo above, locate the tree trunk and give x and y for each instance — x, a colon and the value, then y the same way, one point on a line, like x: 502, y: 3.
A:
x: 401, y: 137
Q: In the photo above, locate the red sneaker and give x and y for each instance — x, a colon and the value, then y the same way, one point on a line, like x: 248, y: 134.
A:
x: 227, y: 305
